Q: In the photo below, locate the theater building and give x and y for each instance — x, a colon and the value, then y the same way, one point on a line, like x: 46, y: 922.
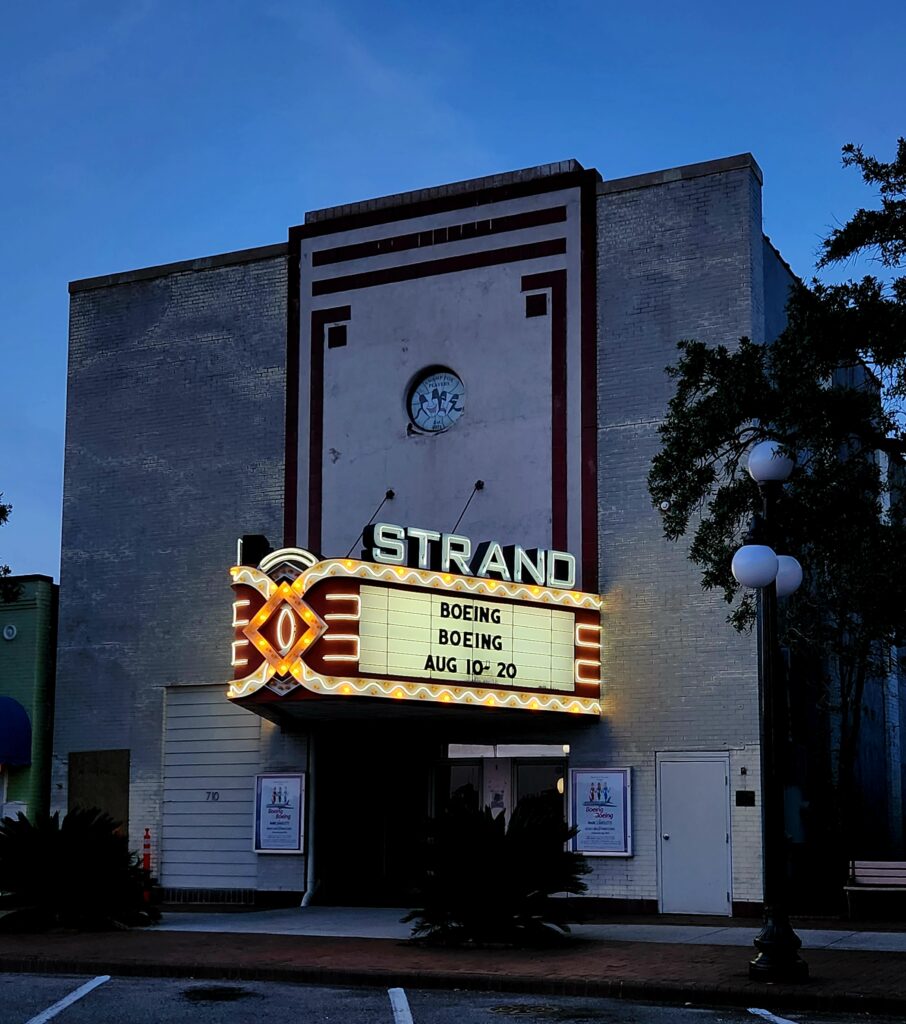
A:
x: 428, y: 420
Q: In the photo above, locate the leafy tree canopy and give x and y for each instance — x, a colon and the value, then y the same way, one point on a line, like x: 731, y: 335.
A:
x: 830, y: 389
x: 864, y: 317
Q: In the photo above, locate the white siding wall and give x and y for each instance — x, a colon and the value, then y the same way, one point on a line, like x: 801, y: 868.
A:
x: 210, y: 747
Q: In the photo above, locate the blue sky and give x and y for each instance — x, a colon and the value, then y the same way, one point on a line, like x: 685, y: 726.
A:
x: 148, y: 131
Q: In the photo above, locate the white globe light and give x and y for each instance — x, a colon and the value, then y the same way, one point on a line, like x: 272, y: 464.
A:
x: 754, y: 565
x: 767, y: 463
x: 789, y: 575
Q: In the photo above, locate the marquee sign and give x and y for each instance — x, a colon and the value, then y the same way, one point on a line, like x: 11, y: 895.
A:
x: 336, y: 628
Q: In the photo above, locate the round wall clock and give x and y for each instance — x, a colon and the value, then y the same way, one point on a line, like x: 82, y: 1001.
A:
x: 436, y: 399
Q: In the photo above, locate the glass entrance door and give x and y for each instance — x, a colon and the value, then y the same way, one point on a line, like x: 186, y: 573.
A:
x: 539, y: 778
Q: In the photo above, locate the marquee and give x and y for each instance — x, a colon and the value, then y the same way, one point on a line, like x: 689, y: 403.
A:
x: 345, y: 628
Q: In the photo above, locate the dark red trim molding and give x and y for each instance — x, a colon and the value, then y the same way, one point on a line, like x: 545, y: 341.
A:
x: 391, y: 214
x: 589, y: 358
x: 556, y: 281
x: 440, y: 204
x: 319, y: 320
x: 291, y: 448
x: 447, y: 265
x: 439, y: 236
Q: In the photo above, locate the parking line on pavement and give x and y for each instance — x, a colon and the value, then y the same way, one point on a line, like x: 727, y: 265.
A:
x: 398, y: 1003
x: 73, y: 997
x: 772, y: 1017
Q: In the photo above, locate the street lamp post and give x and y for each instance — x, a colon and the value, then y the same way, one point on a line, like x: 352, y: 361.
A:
x: 756, y: 565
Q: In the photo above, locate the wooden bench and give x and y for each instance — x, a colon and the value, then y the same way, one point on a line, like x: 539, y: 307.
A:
x: 874, y: 876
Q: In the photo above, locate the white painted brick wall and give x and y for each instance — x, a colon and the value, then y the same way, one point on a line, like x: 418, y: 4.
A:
x: 675, y: 260
x: 174, y: 447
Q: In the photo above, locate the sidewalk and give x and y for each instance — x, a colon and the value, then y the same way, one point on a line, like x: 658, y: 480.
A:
x: 384, y: 923
x: 672, y: 962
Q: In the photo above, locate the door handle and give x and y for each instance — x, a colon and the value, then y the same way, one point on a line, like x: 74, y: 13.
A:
x: 666, y: 835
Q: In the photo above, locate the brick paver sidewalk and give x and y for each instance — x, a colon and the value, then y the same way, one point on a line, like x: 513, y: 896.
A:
x: 840, y: 979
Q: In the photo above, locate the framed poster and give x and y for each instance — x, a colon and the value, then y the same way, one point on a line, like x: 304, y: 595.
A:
x: 279, y: 807
x: 600, y: 804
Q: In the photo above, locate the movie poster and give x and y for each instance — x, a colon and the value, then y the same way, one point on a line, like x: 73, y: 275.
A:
x: 279, y: 806
x: 600, y: 806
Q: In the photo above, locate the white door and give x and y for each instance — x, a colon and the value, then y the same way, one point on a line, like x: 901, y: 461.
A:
x: 210, y: 762
x: 694, y: 833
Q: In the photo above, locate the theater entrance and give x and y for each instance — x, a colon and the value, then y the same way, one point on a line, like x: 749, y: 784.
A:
x: 372, y: 800
x: 376, y: 790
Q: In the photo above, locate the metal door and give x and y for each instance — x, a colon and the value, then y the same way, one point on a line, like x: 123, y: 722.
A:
x: 694, y: 833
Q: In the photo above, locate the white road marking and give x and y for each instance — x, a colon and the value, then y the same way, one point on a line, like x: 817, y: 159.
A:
x: 73, y: 997
x: 772, y: 1017
x: 398, y: 1003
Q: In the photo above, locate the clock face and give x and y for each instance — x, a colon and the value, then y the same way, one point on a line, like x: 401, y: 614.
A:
x: 436, y: 400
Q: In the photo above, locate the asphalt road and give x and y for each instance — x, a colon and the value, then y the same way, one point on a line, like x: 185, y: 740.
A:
x: 33, y: 999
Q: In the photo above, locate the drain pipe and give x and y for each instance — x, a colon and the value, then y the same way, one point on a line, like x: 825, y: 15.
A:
x: 310, y: 825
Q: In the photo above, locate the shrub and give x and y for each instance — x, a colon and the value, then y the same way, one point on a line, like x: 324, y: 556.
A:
x: 74, y: 873
x: 488, y: 883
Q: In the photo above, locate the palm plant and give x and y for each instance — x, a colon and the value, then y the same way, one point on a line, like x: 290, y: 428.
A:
x: 486, y: 882
x: 74, y: 873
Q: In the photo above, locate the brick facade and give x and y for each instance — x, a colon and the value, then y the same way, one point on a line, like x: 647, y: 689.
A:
x: 176, y: 444
x: 174, y: 447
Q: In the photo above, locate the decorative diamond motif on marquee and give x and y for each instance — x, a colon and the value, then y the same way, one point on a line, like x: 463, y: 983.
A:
x: 293, y: 625
x: 305, y: 627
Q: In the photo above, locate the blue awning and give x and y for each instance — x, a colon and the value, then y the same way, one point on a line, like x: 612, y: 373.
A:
x: 15, y: 733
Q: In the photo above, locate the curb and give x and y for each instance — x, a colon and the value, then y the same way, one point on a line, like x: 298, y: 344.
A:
x: 789, y: 998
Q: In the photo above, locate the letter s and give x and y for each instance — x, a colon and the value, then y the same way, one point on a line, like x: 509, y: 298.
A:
x: 384, y: 542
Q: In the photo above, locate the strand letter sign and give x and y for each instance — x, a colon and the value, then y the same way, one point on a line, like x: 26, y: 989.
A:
x: 420, y: 617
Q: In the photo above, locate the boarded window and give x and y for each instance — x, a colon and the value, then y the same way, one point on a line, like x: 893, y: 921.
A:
x: 100, y: 778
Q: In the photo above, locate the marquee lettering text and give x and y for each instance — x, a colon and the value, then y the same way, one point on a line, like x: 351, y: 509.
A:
x: 448, y: 552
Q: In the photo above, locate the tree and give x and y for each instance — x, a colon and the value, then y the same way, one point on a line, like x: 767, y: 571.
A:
x: 830, y: 388
x: 864, y: 317
x: 9, y: 591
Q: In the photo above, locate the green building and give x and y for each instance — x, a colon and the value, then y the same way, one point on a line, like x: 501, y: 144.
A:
x: 28, y: 633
